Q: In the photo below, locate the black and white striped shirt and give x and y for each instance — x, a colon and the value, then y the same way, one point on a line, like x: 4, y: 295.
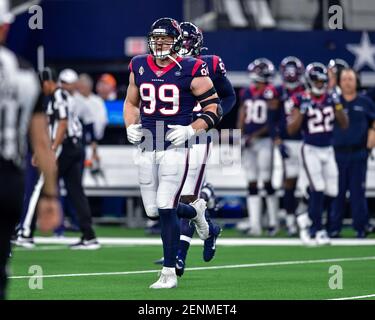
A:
x: 19, y: 92
x: 61, y: 107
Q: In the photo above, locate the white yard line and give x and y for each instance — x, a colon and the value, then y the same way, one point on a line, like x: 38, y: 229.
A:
x: 355, y: 298
x: 220, y: 241
x: 65, y: 247
x: 41, y: 248
x: 234, y: 266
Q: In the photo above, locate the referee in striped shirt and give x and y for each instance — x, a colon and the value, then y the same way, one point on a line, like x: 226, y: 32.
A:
x: 66, y: 135
x: 21, y: 114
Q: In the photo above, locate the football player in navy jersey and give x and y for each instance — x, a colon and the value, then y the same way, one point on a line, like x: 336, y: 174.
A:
x: 192, y: 45
x: 257, y: 153
x: 291, y: 70
x: 163, y: 90
x: 315, y: 111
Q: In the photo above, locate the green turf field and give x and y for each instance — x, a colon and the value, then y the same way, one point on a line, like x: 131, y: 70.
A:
x: 121, y: 231
x: 249, y: 272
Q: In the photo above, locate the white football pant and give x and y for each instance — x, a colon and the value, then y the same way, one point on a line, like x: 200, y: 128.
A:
x: 161, y: 178
x: 198, y: 158
x: 320, y: 167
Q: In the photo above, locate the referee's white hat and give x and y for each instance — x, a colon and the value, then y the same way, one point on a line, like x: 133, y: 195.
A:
x: 68, y: 76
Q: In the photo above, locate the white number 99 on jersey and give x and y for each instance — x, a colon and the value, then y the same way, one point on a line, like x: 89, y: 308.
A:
x: 167, y: 95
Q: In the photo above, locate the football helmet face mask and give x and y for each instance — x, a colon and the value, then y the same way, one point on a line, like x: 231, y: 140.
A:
x: 165, y: 38
x: 192, y: 39
x: 291, y: 70
x: 317, y: 78
x: 261, y: 70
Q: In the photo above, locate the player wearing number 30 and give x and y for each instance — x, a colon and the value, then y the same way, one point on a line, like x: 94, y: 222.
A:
x: 163, y: 90
x: 257, y: 153
x: 314, y: 111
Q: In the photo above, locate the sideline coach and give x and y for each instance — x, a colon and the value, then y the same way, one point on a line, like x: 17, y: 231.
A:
x: 351, y: 149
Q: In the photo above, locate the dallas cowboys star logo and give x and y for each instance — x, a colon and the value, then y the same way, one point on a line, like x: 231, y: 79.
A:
x: 364, y: 52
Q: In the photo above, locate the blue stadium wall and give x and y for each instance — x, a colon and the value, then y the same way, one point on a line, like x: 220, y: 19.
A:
x: 96, y: 29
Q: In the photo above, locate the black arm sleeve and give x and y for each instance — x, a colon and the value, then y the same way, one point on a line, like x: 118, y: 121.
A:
x: 226, y: 94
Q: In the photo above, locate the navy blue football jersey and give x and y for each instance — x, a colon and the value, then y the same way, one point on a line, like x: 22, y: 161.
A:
x: 318, y: 123
x: 256, y: 107
x: 215, y: 66
x: 216, y: 70
x: 166, y: 97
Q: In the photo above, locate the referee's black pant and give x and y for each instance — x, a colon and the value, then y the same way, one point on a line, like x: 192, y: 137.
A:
x: 69, y: 166
x: 11, y: 195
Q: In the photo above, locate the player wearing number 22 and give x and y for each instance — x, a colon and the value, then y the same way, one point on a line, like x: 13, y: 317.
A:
x: 314, y: 111
x: 158, y: 112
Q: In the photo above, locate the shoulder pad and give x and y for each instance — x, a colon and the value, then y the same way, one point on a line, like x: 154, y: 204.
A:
x: 198, y: 67
x: 135, y: 61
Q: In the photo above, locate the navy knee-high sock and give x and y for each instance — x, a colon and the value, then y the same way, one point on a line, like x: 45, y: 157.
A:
x: 290, y: 203
x: 316, y: 206
x: 185, y: 211
x: 328, y: 207
x: 170, y: 235
x: 187, y: 229
x: 328, y: 203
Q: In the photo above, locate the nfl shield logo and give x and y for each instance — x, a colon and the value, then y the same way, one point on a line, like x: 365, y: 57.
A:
x: 141, y: 70
x: 159, y: 73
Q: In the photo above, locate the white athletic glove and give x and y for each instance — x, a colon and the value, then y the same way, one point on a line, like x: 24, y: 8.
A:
x: 179, y: 134
x: 134, y: 133
x: 305, y: 106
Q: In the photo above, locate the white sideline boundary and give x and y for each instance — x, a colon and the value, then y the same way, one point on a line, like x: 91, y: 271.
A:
x: 355, y: 298
x: 234, y: 266
x: 221, y: 241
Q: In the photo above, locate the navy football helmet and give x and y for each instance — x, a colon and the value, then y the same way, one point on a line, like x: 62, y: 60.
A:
x: 317, y: 78
x: 261, y: 70
x: 164, y: 27
x: 192, y: 39
x: 336, y: 65
x: 291, y: 70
